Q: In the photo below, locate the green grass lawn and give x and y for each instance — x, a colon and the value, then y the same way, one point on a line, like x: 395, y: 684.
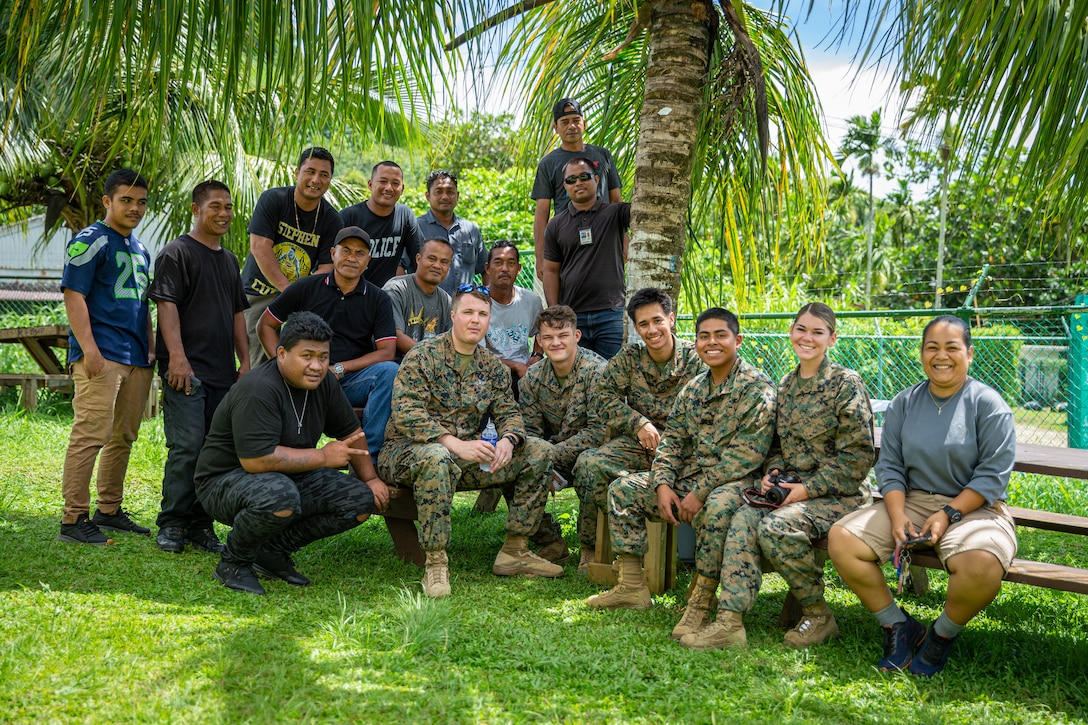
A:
x: 126, y: 633
x: 1046, y: 419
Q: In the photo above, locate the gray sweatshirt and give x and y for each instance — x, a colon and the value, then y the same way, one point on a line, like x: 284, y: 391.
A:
x: 971, y: 443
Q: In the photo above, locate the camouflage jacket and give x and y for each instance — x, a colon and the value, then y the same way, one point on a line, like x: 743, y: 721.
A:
x: 718, y: 433
x: 433, y: 396
x: 633, y: 391
x: 564, y: 413
x: 824, y: 430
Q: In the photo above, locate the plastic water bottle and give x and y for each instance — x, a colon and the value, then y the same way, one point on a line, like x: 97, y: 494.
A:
x: 491, y: 436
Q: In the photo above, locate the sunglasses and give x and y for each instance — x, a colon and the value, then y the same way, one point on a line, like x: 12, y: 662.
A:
x: 474, y: 288
x: 584, y: 176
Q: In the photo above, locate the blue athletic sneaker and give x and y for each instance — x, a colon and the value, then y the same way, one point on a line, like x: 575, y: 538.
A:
x: 900, y: 641
x: 932, y: 655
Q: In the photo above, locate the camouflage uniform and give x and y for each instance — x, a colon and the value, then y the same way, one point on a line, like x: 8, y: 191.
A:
x: 824, y: 435
x: 435, y: 394
x: 563, y: 413
x: 717, y: 439
x: 633, y: 391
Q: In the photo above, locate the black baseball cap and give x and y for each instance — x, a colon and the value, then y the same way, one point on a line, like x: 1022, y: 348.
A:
x: 559, y: 109
x: 353, y: 233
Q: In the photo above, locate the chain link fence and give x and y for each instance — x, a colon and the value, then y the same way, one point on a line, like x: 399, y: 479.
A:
x: 1023, y: 353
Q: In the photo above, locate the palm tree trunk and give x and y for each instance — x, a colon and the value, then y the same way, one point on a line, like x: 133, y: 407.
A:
x: 869, y: 250
x: 678, y: 39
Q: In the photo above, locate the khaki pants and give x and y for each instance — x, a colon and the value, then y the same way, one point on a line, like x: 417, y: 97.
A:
x: 108, y: 409
x: 257, y: 306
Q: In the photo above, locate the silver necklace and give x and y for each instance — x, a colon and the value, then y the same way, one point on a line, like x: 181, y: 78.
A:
x: 941, y: 407
x: 305, y: 399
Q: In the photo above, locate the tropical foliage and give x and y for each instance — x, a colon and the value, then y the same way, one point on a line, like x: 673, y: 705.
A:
x: 185, y: 91
x: 707, y: 105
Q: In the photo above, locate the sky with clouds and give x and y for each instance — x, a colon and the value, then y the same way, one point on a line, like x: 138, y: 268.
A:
x: 845, y: 87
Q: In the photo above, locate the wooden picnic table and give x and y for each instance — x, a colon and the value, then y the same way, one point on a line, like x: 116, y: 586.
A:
x: 39, y: 343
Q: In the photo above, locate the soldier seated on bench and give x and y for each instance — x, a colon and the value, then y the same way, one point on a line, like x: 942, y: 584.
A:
x: 559, y: 399
x: 637, y: 391
x: 945, y: 476
x: 824, y: 438
x: 718, y: 436
x: 447, y: 388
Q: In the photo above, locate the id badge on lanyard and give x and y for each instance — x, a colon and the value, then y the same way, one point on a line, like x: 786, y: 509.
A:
x: 585, y: 236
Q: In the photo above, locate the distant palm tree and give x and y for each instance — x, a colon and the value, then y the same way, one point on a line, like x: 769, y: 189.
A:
x: 871, y: 150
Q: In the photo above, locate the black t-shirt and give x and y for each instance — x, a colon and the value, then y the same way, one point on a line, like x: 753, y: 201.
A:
x: 359, y: 319
x: 548, y: 183
x: 257, y: 415
x: 301, y: 240
x: 205, y: 285
x: 393, y: 238
x: 589, y: 248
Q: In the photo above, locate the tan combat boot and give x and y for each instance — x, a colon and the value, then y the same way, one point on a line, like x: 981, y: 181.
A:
x: 817, y: 625
x: 585, y: 559
x: 515, y: 558
x: 697, y: 612
x: 555, y: 551
x: 726, y: 631
x: 436, y: 577
x: 630, y: 593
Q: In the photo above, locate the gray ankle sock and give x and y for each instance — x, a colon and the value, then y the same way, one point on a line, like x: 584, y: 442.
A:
x: 946, y: 627
x: 890, y: 615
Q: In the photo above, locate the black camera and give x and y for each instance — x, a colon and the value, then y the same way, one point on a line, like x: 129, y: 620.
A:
x: 777, y: 494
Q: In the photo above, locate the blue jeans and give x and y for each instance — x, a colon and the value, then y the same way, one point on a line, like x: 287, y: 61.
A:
x: 372, y: 389
x: 602, y: 331
x: 185, y: 422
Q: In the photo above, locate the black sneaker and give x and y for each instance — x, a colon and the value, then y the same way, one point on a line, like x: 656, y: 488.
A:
x: 900, y: 641
x: 119, y: 521
x: 171, y: 539
x: 279, y: 566
x: 205, y: 540
x: 932, y: 656
x: 83, y: 531
x: 239, y: 577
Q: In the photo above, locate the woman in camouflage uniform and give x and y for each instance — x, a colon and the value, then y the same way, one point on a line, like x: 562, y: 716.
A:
x: 824, y: 435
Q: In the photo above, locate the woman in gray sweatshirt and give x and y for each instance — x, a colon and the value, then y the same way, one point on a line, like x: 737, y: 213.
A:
x: 948, y: 447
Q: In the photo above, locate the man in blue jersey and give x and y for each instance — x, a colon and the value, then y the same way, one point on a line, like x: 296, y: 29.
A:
x: 105, y: 295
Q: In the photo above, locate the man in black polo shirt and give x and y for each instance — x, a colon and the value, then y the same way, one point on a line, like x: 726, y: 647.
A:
x: 361, y: 316
x: 261, y: 471
x: 585, y: 252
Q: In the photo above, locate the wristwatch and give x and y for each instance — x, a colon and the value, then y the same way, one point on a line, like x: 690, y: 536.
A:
x: 954, y: 516
x: 338, y: 368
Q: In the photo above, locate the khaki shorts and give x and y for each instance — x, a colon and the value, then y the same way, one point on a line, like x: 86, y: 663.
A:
x: 989, y: 528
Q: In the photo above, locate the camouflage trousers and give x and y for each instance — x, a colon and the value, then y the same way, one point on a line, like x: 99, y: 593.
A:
x: 633, y: 501
x: 784, y: 537
x: 434, y: 474
x: 594, y: 470
x: 324, y: 502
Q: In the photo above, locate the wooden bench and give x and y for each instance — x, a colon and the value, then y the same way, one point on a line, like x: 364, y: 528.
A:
x: 400, y: 520
x: 659, y: 563
x: 1030, y: 458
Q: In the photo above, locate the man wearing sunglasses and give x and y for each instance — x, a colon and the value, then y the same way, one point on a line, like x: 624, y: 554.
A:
x: 548, y: 188
x: 585, y: 252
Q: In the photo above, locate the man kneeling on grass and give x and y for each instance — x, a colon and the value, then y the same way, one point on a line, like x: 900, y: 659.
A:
x: 261, y: 471
x: 447, y: 389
